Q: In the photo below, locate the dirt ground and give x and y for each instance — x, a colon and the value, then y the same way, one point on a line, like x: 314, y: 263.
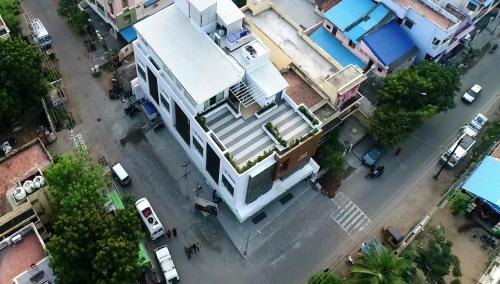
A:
x: 473, y: 258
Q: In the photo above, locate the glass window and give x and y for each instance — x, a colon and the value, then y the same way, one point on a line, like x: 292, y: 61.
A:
x: 164, y: 101
x: 197, y: 146
x: 436, y: 41
x: 227, y: 184
x: 408, y: 23
x: 141, y: 72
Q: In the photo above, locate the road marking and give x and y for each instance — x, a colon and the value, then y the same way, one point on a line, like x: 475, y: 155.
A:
x: 348, y: 215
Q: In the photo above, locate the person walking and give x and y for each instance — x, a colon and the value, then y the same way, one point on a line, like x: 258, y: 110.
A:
x: 193, y: 247
x: 174, y: 232
x: 398, y: 150
x: 168, y: 234
x: 198, y: 246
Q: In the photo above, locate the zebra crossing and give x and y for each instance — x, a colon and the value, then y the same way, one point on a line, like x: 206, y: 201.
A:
x: 348, y: 215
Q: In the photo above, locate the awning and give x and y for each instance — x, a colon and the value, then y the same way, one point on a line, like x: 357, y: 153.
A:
x: 149, y: 3
x: 129, y: 34
x: 484, y: 182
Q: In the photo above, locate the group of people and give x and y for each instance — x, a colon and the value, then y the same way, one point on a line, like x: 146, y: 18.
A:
x: 193, y: 249
x: 171, y: 233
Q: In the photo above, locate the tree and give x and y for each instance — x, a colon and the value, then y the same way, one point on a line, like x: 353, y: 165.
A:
x: 22, y: 80
x: 77, y: 18
x: 410, y: 96
x: 76, y: 182
x: 9, y: 11
x: 325, y: 278
x: 459, y: 202
x: 436, y: 259
x: 87, y: 245
x: 379, y: 266
x: 331, y: 156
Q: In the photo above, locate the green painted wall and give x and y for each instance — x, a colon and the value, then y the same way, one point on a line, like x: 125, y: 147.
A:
x: 120, y: 20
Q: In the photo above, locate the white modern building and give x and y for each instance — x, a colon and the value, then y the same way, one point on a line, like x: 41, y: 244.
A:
x: 214, y: 86
x: 430, y: 26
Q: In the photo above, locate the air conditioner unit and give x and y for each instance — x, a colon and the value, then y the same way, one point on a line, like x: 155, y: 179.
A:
x: 17, y: 238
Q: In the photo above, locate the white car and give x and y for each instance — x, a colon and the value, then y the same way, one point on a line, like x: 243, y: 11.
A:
x: 472, y: 93
x: 167, y: 264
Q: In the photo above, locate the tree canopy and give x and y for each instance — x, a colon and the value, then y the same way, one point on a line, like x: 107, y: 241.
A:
x: 378, y: 266
x: 325, y: 278
x: 88, y: 245
x: 22, y: 79
x: 410, y: 96
x: 9, y: 11
x: 437, y: 259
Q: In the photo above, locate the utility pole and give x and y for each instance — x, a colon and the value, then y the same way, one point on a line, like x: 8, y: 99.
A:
x: 448, y: 159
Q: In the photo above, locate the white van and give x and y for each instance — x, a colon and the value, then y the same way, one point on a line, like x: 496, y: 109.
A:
x: 149, y: 218
x: 167, y: 264
x: 120, y: 174
x: 42, y: 37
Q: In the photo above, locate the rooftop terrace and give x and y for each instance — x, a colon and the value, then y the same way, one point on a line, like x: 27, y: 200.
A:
x: 20, y: 164
x: 300, y: 92
x: 423, y: 9
x: 18, y: 258
x: 246, y: 139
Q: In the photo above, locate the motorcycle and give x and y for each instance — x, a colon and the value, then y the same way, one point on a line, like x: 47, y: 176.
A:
x: 375, y: 172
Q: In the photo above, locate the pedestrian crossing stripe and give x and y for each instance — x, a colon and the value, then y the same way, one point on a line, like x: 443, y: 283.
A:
x: 348, y: 215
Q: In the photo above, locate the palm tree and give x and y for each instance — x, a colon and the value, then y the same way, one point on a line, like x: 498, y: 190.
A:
x: 378, y: 266
x: 325, y: 278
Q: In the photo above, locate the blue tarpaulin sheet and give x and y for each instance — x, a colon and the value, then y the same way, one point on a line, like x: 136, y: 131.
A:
x: 389, y: 43
x: 129, y: 34
x: 348, y: 12
x: 485, y: 181
x: 334, y: 47
x: 149, y: 3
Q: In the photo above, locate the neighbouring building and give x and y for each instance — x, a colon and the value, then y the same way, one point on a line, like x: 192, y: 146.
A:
x: 474, y: 9
x: 24, y: 196
x: 492, y: 273
x: 430, y: 26
x: 23, y: 258
x: 4, y: 30
x: 122, y: 14
x: 364, y: 33
x: 321, y: 6
x: 214, y: 86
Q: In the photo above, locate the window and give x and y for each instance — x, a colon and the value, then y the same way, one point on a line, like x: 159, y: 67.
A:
x: 197, y: 146
x: 154, y: 63
x: 127, y: 19
x: 328, y: 27
x: 436, y: 42
x: 100, y: 7
x: 351, y: 44
x: 141, y: 72
x: 471, y: 6
x: 380, y: 69
x: 124, y: 3
x: 399, y: 21
x: 227, y: 184
x: 408, y: 23
x: 164, y: 101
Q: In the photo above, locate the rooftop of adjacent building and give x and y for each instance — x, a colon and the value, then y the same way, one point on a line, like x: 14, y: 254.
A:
x: 424, y: 9
x: 346, y: 78
x: 20, y: 164
x: 301, y: 92
x: 24, y: 261
x: 389, y: 43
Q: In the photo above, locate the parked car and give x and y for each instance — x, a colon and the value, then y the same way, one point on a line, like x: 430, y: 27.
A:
x: 472, y: 94
x: 391, y: 236
x: 372, y: 156
x: 167, y: 264
x: 120, y: 174
x: 149, y: 218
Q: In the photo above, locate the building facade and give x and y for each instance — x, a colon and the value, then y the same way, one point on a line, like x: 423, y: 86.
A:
x: 215, y: 88
x: 121, y: 14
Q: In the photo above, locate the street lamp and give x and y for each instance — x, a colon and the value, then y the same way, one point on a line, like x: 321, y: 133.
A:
x: 448, y: 159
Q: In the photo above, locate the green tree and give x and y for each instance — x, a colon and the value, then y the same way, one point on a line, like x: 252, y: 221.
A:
x: 9, y: 11
x: 331, y: 156
x: 22, y: 81
x: 325, y: 278
x: 436, y: 259
x: 410, y: 96
x: 88, y: 245
x: 379, y: 266
x: 76, y: 182
x: 459, y: 202
x: 77, y: 18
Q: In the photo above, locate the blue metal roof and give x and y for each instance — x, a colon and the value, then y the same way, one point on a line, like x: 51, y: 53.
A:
x: 389, y: 43
x: 334, y: 47
x: 149, y: 3
x: 347, y: 12
x: 373, y: 18
x: 485, y: 180
x: 129, y: 34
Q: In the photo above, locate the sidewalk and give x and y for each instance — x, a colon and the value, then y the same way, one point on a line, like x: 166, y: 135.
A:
x: 490, y: 33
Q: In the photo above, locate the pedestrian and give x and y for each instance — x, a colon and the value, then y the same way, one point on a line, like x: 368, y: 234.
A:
x: 174, y: 232
x: 193, y: 247
x: 198, y: 246
x: 168, y: 234
x: 398, y: 150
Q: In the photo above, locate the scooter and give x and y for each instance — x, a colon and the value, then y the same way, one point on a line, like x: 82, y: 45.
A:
x: 375, y: 172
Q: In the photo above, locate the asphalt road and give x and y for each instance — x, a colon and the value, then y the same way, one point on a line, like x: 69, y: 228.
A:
x: 306, y: 243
